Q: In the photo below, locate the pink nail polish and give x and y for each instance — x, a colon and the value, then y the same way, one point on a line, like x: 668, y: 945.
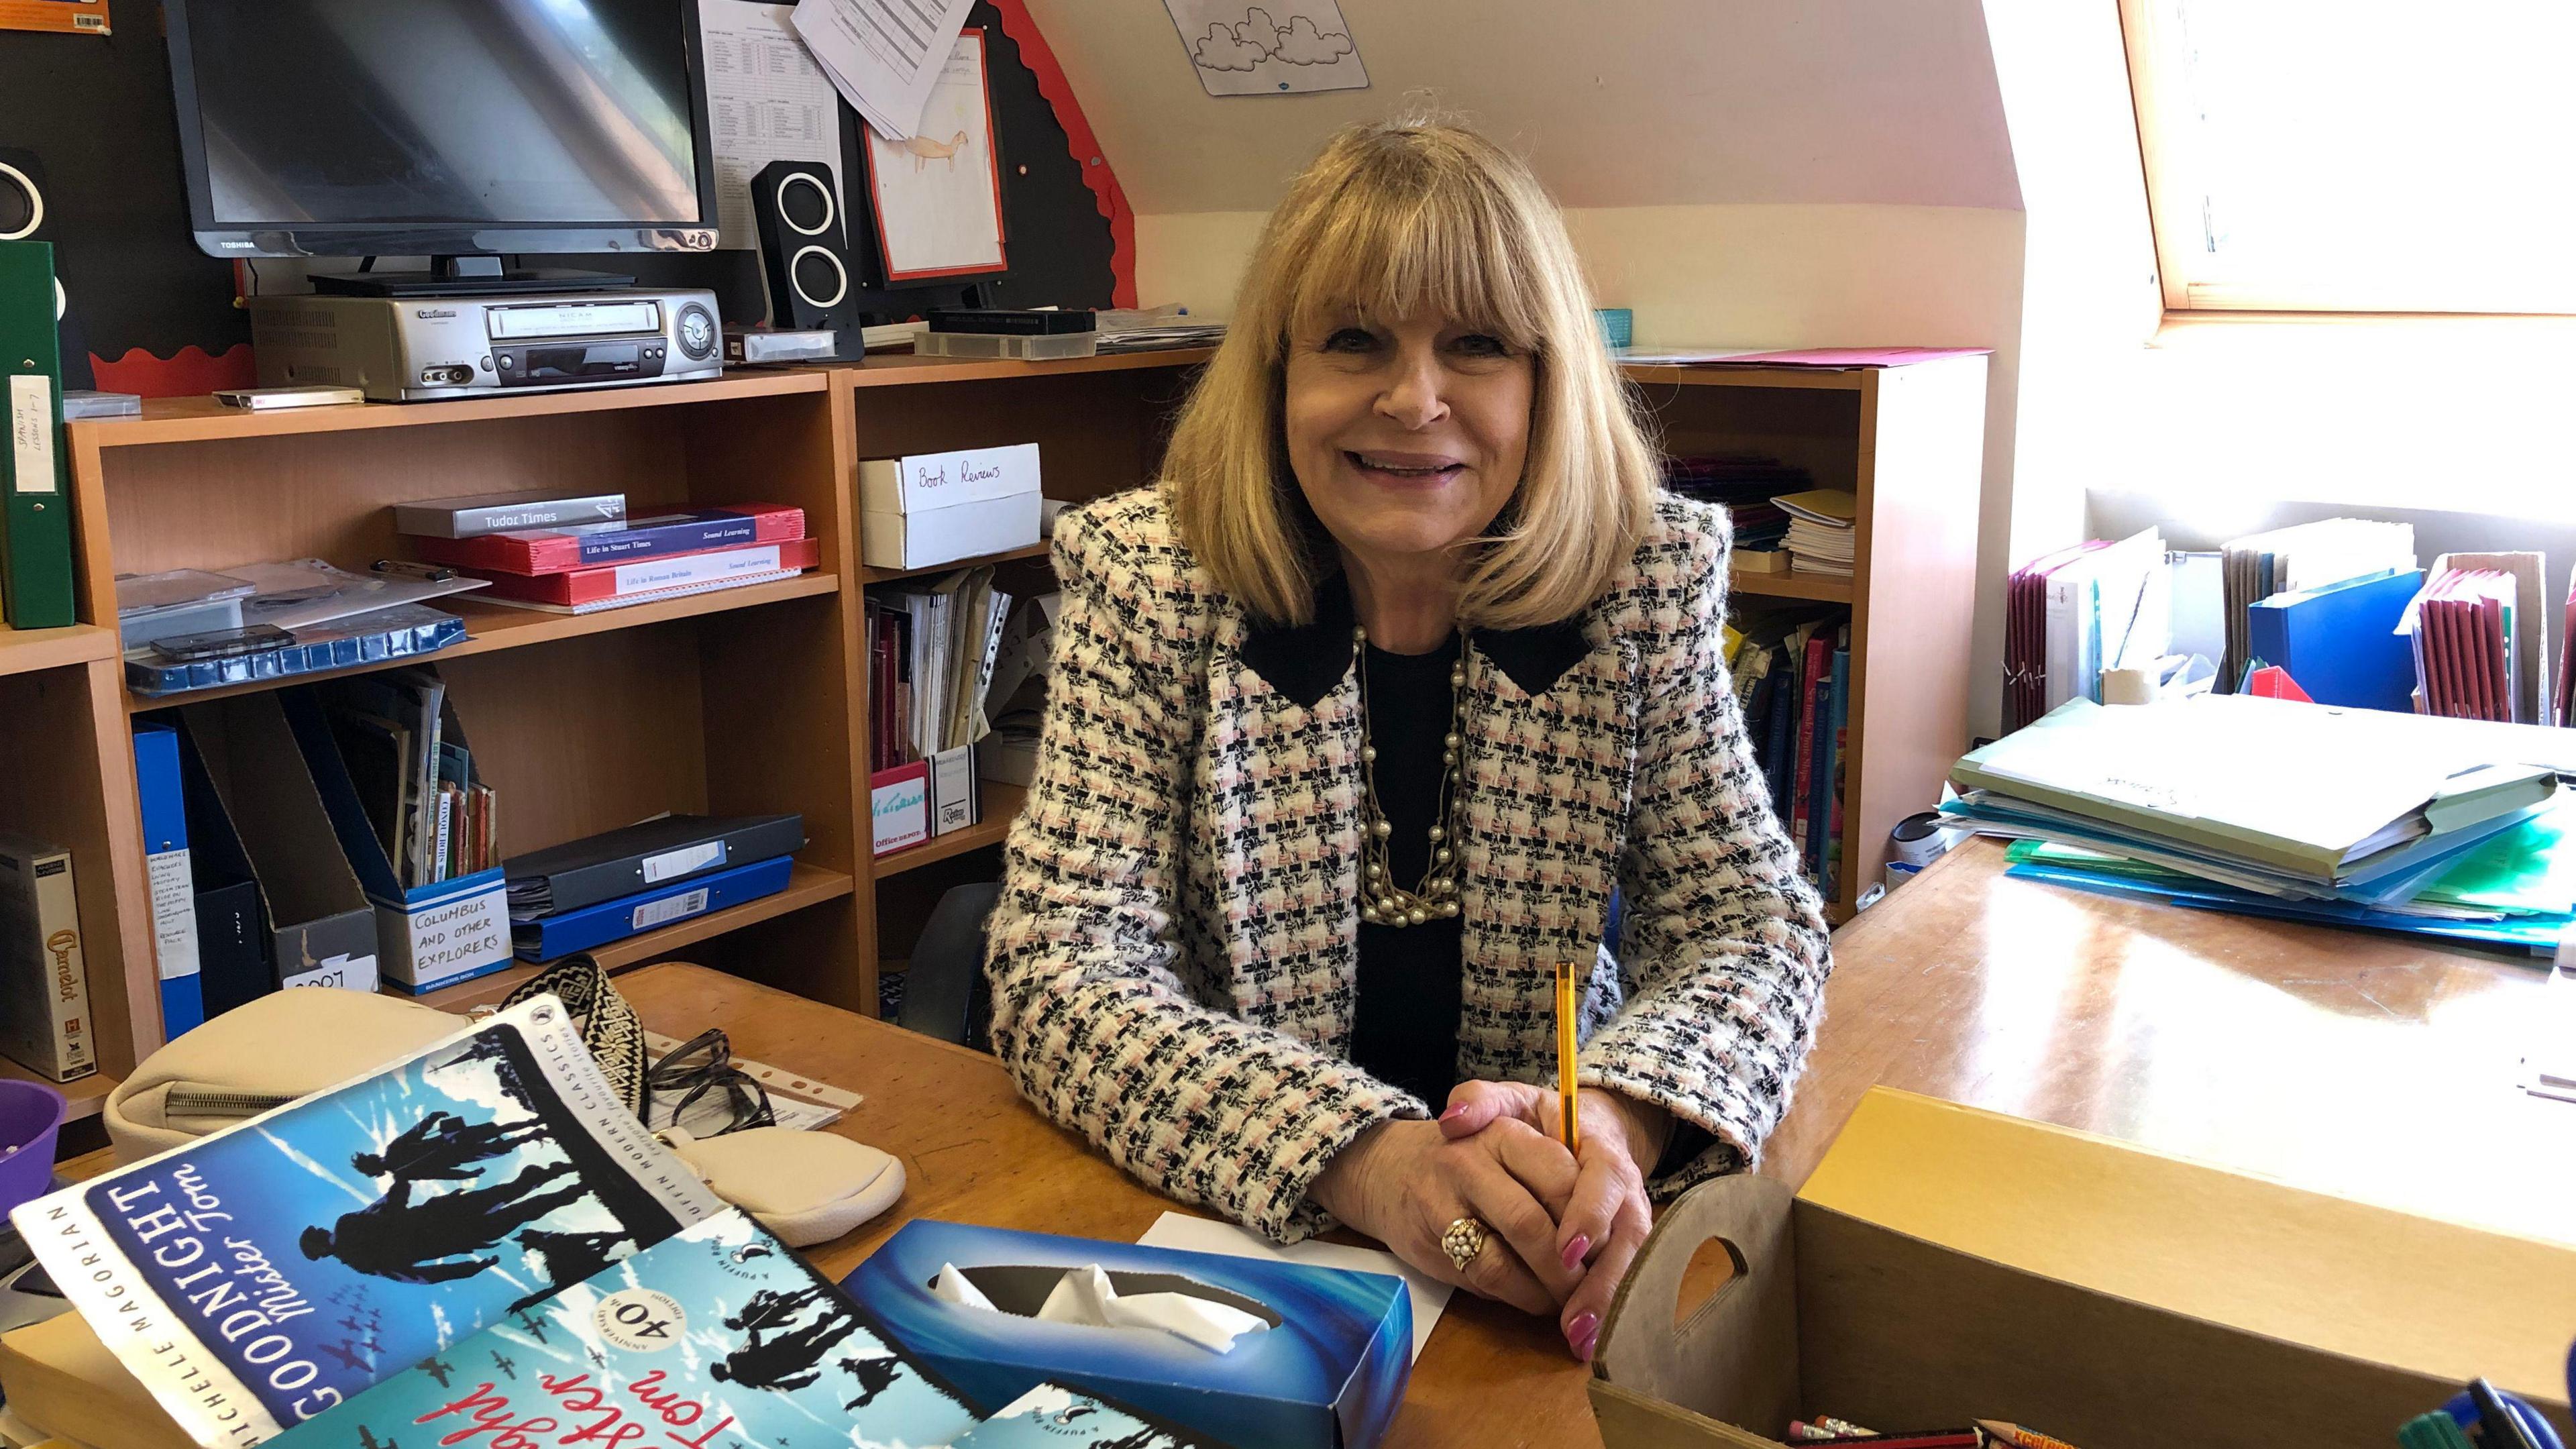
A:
x: 1575, y: 1251
x: 1580, y: 1333
x: 1454, y: 1113
x: 1591, y: 1341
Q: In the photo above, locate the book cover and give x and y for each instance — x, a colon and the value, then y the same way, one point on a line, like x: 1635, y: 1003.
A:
x: 263, y: 1275
x: 1784, y: 741
x: 619, y: 581
x: 44, y: 986
x: 35, y: 483
x: 1811, y: 684
x: 554, y: 551
x: 714, y: 1338
x: 1838, y: 733
x: 506, y: 512
x: 1820, y: 767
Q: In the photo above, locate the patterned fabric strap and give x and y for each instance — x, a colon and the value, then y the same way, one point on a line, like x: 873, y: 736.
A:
x: 609, y: 1026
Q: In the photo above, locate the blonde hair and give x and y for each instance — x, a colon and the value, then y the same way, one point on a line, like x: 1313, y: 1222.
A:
x: 1392, y: 219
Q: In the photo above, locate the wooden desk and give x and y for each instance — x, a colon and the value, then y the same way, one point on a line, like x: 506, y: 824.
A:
x: 2361, y: 1065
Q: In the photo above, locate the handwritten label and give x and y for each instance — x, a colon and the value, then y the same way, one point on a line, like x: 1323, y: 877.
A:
x: 687, y: 860
x: 674, y: 908
x: 454, y: 937
x: 174, y: 913
x: 31, y: 432
x: 346, y: 973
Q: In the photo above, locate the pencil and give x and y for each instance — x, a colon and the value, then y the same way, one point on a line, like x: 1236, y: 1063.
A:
x: 1568, y: 1133
x: 2015, y: 1435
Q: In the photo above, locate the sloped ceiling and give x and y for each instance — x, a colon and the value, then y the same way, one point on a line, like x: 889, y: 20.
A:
x: 1637, y: 103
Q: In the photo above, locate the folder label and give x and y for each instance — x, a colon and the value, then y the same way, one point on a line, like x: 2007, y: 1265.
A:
x: 174, y: 908
x: 671, y: 908
x: 31, y: 430
x: 687, y: 860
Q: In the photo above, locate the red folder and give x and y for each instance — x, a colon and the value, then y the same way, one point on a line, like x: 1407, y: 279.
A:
x: 651, y: 576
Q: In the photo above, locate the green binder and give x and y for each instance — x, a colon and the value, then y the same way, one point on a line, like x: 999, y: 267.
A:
x: 35, y: 486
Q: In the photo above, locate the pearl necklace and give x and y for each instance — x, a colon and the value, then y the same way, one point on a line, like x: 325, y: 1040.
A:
x: 1382, y: 901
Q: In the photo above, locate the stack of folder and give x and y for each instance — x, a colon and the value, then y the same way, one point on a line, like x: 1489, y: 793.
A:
x: 2281, y: 808
x: 589, y: 892
x: 2306, y: 556
x: 2071, y: 614
x: 2475, y: 640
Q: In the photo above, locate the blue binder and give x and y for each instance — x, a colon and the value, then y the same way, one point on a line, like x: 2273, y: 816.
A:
x: 561, y: 934
x: 2340, y: 640
x: 165, y: 848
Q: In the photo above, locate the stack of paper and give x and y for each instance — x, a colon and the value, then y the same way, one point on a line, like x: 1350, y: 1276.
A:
x: 883, y: 55
x: 2302, y: 557
x: 2284, y: 808
x: 1820, y: 538
x: 933, y: 648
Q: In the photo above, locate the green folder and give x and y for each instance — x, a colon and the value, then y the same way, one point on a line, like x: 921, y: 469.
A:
x: 35, y: 486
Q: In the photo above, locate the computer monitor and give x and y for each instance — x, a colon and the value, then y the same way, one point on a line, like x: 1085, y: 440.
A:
x: 453, y: 129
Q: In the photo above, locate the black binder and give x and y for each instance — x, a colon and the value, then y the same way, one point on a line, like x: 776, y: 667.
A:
x: 621, y: 862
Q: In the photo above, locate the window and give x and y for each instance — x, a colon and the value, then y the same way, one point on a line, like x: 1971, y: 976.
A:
x: 2359, y: 155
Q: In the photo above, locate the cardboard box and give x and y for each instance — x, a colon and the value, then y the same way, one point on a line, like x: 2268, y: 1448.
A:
x: 310, y: 900
x: 1329, y: 1375
x: 1945, y: 1265
x: 954, y: 802
x: 935, y: 508
x: 899, y: 806
x: 426, y: 936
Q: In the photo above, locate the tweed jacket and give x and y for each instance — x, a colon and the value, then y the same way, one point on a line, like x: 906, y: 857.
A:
x: 1174, y: 950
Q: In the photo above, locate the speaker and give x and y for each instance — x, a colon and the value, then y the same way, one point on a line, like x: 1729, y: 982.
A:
x: 802, y: 254
x: 27, y: 214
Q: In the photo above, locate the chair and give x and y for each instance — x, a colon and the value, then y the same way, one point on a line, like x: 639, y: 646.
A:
x: 945, y: 992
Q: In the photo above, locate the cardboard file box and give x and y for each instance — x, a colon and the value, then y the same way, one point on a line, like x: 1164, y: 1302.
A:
x: 427, y: 936
x: 320, y: 926
x: 1328, y: 1375
x: 1945, y: 1265
x: 899, y: 806
x: 955, y: 798
x: 935, y: 508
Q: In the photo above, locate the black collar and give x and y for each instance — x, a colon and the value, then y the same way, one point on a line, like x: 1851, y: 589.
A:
x: 1303, y: 662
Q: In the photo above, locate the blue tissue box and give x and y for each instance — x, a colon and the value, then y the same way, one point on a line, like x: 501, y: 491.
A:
x: 1328, y: 1376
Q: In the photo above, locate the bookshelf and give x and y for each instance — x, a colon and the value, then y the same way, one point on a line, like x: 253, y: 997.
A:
x: 752, y: 700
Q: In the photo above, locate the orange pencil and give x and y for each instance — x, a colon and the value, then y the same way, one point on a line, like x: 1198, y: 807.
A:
x: 1568, y: 1132
x: 2018, y: 1437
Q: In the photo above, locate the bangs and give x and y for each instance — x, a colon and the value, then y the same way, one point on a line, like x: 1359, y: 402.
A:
x: 1406, y: 235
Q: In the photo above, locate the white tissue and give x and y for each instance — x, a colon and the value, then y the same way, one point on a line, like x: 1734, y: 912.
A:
x: 1084, y: 1296
x: 952, y: 1286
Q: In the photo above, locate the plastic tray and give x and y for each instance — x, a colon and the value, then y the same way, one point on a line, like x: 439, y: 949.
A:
x: 989, y: 345
x: 371, y: 638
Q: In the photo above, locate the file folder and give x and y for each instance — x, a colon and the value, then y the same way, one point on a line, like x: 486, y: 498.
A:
x: 597, y: 925
x: 638, y: 857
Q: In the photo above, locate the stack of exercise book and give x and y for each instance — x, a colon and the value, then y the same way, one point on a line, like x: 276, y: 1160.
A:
x: 582, y: 567
x: 1793, y: 685
x: 1743, y: 484
x: 1820, y: 537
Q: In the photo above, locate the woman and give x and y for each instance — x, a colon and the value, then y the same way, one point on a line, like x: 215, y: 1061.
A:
x: 1299, y: 859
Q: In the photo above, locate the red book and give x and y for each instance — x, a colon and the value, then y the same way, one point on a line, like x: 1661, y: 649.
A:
x: 652, y: 576
x: 1814, y: 684
x: 555, y: 551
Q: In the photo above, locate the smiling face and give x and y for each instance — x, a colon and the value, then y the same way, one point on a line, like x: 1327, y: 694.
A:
x: 1406, y: 437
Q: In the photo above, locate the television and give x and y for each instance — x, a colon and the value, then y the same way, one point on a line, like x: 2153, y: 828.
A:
x: 459, y: 130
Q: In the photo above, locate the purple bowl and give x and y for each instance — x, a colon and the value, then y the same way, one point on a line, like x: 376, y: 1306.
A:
x: 30, y: 1114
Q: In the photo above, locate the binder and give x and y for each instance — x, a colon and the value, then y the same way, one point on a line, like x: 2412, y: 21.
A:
x: 35, y: 486
x: 167, y: 871
x: 2340, y: 642
x: 639, y: 857
x: 605, y: 921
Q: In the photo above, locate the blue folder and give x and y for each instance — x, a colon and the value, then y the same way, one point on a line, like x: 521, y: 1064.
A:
x: 561, y: 934
x: 165, y: 832
x: 2340, y: 640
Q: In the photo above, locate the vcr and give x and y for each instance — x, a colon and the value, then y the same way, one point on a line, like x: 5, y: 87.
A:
x: 411, y: 349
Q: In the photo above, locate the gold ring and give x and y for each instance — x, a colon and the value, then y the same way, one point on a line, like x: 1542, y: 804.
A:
x: 1463, y: 1241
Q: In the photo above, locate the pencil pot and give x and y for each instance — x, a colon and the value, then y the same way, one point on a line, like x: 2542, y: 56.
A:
x: 30, y: 1114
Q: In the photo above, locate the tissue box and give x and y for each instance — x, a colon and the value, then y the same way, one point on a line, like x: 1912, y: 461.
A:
x: 1329, y: 1376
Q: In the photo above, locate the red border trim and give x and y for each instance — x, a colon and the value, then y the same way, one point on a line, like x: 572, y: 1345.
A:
x: 1096, y: 171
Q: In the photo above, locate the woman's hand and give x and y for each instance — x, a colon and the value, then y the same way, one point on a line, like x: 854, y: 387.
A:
x: 1605, y: 1218
x: 1403, y: 1183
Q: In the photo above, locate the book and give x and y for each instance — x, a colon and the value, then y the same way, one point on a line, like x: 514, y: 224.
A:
x: 623, y: 583
x: 262, y: 1276
x: 168, y: 875
x: 44, y: 984
x: 1812, y: 682
x: 35, y: 483
x: 503, y: 512
x: 1836, y: 735
x: 555, y: 551
x: 717, y: 1335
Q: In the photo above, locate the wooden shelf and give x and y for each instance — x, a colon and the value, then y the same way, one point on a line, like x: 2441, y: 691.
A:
x: 886, y: 576
x: 895, y: 369
x: 807, y: 885
x: 1826, y: 587
x: 498, y: 626
x: 87, y: 1097
x: 25, y: 649
x: 998, y: 806
x: 202, y: 419
x: 1814, y: 379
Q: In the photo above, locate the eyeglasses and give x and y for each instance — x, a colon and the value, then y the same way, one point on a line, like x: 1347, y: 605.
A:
x: 702, y: 1065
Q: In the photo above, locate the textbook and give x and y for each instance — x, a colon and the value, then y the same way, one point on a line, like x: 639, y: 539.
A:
x: 262, y: 1276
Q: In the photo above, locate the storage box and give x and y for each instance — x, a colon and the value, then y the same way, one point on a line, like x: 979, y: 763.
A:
x: 953, y: 791
x: 427, y: 936
x: 310, y: 901
x: 899, y: 804
x: 935, y: 508
x: 1328, y: 1375
x: 1945, y: 1265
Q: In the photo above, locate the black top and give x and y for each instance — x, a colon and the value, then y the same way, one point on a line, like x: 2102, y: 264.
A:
x: 1405, y: 1025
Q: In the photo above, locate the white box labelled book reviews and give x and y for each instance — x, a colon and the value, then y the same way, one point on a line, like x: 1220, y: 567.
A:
x: 935, y: 508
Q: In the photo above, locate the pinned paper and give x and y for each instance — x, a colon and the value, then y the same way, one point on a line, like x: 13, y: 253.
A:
x: 1241, y: 49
